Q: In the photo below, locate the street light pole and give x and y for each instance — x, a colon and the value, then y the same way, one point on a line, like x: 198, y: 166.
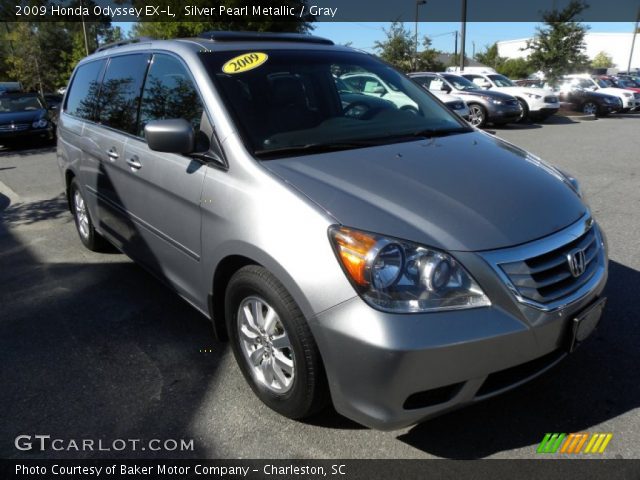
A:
x: 463, y: 34
x: 415, y: 40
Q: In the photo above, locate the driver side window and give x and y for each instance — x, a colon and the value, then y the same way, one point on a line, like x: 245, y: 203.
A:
x: 169, y: 93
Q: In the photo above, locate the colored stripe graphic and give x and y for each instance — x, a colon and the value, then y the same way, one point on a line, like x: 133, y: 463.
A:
x: 573, y: 443
x: 551, y: 442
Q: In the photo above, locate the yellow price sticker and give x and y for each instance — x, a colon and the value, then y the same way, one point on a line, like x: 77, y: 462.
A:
x: 244, y: 62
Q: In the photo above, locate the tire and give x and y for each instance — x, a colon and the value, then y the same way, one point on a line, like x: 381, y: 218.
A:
x: 589, y: 108
x: 477, y: 115
x: 282, y: 364
x: 84, y: 225
x: 525, y: 111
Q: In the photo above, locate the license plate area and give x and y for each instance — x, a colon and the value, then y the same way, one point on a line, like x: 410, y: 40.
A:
x: 585, y: 323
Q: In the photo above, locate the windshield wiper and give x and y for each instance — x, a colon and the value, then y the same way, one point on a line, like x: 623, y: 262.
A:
x: 441, y: 132
x: 310, y: 148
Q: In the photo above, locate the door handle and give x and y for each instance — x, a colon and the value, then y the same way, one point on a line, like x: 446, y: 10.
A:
x: 134, y: 163
x: 112, y: 154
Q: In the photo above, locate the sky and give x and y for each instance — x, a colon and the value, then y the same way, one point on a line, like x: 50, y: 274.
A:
x: 363, y: 35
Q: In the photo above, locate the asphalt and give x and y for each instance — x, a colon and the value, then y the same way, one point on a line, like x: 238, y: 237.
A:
x: 91, y: 346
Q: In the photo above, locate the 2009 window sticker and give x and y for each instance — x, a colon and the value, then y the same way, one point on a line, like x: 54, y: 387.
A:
x: 244, y: 62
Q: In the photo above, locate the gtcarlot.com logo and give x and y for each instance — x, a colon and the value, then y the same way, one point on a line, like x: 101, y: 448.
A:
x: 46, y: 442
x: 574, y: 443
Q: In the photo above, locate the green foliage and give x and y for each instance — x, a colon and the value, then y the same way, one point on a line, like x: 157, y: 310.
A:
x: 399, y: 48
x: 490, y: 57
x: 558, y: 48
x: 180, y: 29
x: 515, y: 68
x: 602, y: 60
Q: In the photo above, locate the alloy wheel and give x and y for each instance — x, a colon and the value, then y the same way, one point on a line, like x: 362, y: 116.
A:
x: 265, y: 344
x: 590, y: 108
x: 82, y: 217
x: 476, y: 115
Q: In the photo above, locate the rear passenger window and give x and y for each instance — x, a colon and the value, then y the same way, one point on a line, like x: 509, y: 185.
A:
x: 169, y: 93
x: 121, y: 90
x: 82, y: 98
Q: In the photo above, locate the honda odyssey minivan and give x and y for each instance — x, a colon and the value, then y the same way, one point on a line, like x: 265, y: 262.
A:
x: 397, y: 263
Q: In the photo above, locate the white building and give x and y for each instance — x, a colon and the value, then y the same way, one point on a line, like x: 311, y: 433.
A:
x: 617, y: 45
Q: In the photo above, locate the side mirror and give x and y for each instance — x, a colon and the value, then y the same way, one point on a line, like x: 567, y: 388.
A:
x: 171, y: 136
x: 445, y: 88
x: 486, y: 85
x: 379, y: 90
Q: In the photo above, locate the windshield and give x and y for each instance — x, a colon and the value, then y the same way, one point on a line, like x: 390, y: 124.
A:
x: 19, y: 104
x: 300, y: 101
x: 604, y: 83
x: 501, y: 81
x: 460, y: 83
x: 622, y: 82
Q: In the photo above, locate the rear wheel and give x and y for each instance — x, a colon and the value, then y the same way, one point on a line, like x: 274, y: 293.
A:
x: 478, y: 115
x: 88, y: 235
x: 273, y: 345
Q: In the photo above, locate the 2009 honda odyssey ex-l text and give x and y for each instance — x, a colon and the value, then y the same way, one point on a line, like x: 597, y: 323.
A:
x: 397, y: 262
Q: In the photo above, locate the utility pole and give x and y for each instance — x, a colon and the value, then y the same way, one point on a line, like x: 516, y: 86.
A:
x: 473, y: 54
x: 633, y: 40
x: 464, y: 34
x: 84, y: 29
x: 415, y: 40
x: 455, y: 48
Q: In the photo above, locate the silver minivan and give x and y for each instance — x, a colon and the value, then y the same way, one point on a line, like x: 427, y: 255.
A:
x: 399, y: 263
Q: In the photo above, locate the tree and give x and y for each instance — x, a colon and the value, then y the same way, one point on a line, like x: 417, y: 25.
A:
x: 490, y: 57
x: 602, y: 60
x: 558, y: 48
x: 399, y: 49
x: 179, y: 28
x: 516, y: 68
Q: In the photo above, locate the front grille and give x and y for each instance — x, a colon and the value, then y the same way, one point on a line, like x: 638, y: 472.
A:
x: 18, y: 127
x: 547, y: 277
x: 550, y: 99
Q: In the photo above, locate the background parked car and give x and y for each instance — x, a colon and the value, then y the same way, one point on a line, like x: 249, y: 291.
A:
x: 536, y: 104
x: 373, y: 85
x: 454, y: 103
x: 589, y: 101
x: 24, y: 116
x: 359, y: 105
x: 586, y: 82
x: 484, y: 106
x: 627, y: 84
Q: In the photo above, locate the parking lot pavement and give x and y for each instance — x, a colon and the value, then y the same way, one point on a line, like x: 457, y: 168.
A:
x: 91, y: 346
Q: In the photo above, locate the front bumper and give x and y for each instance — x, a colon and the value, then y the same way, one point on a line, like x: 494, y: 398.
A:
x: 503, y: 113
x: 388, y: 371
x: 32, y: 133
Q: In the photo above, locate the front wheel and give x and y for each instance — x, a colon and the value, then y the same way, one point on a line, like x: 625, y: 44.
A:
x: 273, y: 345
x: 590, y: 108
x: 524, y: 114
x: 478, y: 115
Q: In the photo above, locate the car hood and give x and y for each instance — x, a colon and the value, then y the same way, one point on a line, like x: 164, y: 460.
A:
x: 21, y: 117
x: 526, y: 91
x: 445, y: 97
x: 616, y: 92
x: 465, y: 192
x: 485, y: 93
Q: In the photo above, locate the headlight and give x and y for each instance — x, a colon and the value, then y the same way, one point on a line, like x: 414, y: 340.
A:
x: 627, y: 94
x: 42, y: 123
x: 403, y: 277
x: 533, y: 95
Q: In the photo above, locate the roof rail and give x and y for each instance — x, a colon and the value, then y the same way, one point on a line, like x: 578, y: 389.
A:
x: 121, y: 43
x: 218, y: 36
